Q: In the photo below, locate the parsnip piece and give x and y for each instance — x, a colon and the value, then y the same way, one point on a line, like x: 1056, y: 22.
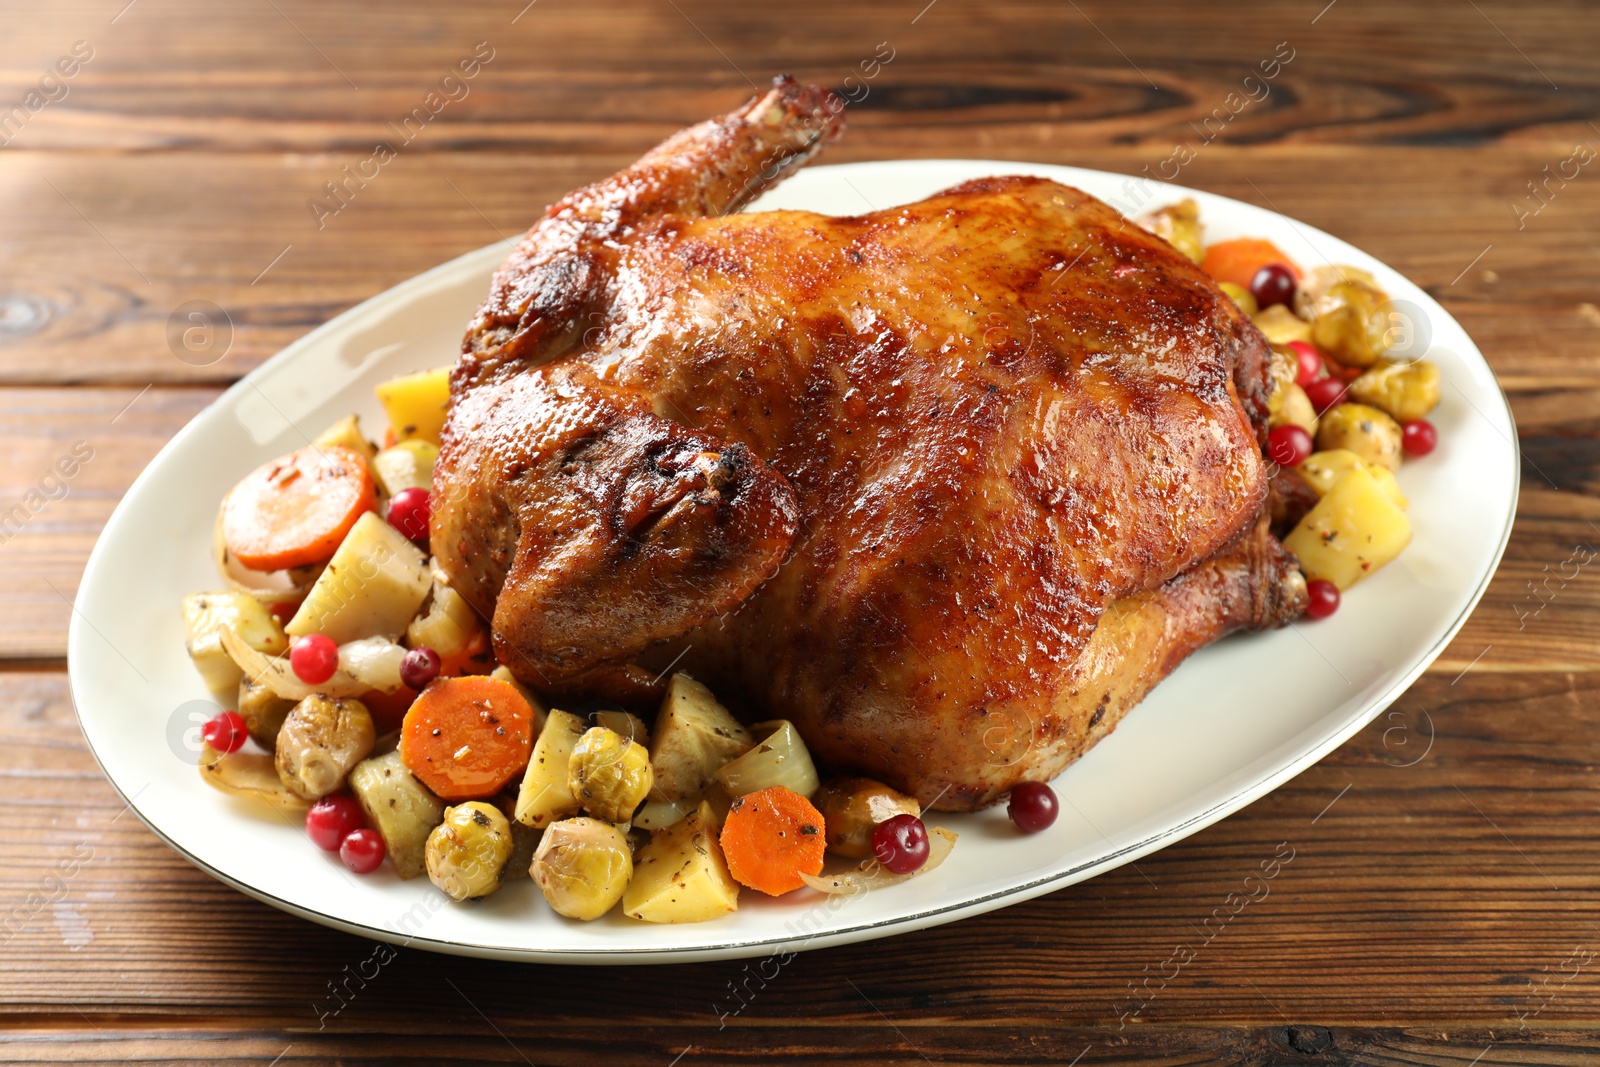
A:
x: 372, y: 587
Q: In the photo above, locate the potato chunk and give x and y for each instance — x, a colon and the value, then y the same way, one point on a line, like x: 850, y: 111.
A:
x: 1352, y: 532
x: 545, y: 795
x: 346, y: 433
x: 372, y: 587
x: 1322, y: 471
x: 680, y: 876
x: 694, y: 737
x: 407, y: 465
x: 400, y: 808
x: 416, y: 403
x: 206, y: 615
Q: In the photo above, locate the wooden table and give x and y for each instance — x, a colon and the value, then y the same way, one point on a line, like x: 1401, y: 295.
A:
x: 1444, y: 903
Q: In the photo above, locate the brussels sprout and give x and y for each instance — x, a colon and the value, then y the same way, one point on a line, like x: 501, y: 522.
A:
x: 467, y: 853
x: 1364, y: 430
x: 1351, y: 322
x: 1405, y: 390
x: 609, y: 775
x: 320, y: 741
x: 582, y: 866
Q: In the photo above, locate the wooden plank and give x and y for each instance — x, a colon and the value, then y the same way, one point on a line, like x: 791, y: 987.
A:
x: 1443, y: 870
x: 866, y: 1040
x: 104, y: 437
x: 1140, y: 73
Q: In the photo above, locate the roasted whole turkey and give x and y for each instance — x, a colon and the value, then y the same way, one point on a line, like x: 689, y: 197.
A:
x: 950, y: 485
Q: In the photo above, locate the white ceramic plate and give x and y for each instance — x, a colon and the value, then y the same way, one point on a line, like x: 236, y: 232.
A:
x: 1237, y: 720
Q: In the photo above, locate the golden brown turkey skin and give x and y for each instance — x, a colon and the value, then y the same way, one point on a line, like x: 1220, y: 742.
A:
x: 963, y: 429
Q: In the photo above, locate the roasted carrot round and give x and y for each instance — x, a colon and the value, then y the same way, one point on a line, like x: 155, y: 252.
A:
x: 1237, y: 261
x: 295, y: 510
x: 772, y: 837
x: 465, y: 738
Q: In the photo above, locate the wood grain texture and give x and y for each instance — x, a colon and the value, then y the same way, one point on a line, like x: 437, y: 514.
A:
x: 1443, y: 892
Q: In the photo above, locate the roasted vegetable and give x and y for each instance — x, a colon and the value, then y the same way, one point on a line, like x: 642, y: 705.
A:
x: 449, y: 623
x: 370, y: 663
x: 1353, y: 531
x: 320, y: 741
x: 1366, y: 431
x: 407, y: 465
x: 680, y: 876
x: 1241, y: 296
x: 694, y: 737
x: 625, y: 723
x: 399, y: 807
x: 263, y: 712
x: 582, y: 866
x: 545, y: 795
x: 346, y: 433
x: 467, y: 737
x: 1349, y: 314
x: 374, y: 584
x: 416, y: 403
x: 1288, y: 404
x: 1179, y: 225
x: 1322, y: 471
x: 467, y: 852
x: 296, y: 510
x: 852, y: 809
x: 249, y: 774
x: 772, y: 839
x: 608, y: 774
x: 1280, y: 326
x: 206, y: 615
x: 1237, y: 260
x: 1407, y: 391
x: 874, y: 875
x: 779, y: 758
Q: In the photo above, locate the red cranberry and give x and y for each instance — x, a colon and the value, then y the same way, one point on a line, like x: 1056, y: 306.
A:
x: 901, y: 843
x: 362, y: 851
x: 314, y: 658
x: 1322, y: 598
x: 1273, y: 284
x: 226, y: 732
x: 1308, y: 362
x: 1288, y: 445
x: 1325, y: 393
x: 419, y: 667
x: 332, y: 819
x: 1418, y: 437
x: 410, y: 511
x: 1033, y: 807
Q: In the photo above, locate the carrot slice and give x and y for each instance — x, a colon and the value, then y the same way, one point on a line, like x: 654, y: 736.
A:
x: 465, y: 738
x: 389, y: 709
x: 1238, y: 260
x: 295, y: 510
x: 771, y: 838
